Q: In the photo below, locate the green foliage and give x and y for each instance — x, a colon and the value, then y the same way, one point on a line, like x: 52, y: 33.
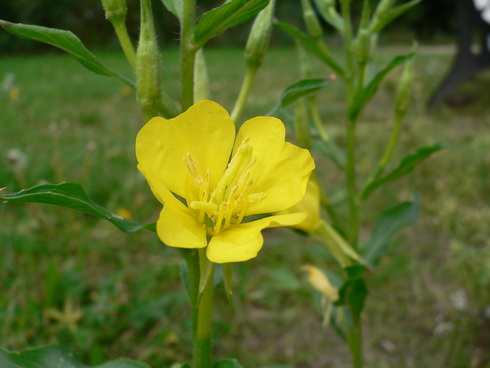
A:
x: 73, y: 196
x: 298, y: 90
x: 66, y: 41
x: 387, y: 225
x: 56, y: 357
x: 228, y: 363
x: 229, y: 15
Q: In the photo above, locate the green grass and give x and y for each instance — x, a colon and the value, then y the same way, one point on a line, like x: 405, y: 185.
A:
x: 70, y: 279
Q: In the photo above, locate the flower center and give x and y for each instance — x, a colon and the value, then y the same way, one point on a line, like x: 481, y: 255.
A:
x: 227, y: 203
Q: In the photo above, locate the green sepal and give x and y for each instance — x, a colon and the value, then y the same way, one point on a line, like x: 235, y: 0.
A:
x: 312, y: 46
x: 387, y: 225
x: 66, y: 41
x: 406, y: 165
x: 228, y: 15
x: 367, y: 93
x: 297, y: 90
x: 56, y: 357
x: 72, y: 195
x: 227, y: 363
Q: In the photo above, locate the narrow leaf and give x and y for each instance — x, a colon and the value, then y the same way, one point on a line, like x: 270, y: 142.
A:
x: 66, y: 41
x: 56, y: 357
x: 297, y: 90
x: 175, y: 7
x: 332, y: 151
x: 393, y: 14
x: 318, y: 50
x: 72, y: 195
x: 353, y: 294
x: 229, y: 15
x: 406, y: 165
x: 368, y: 92
x: 227, y: 363
x: 387, y: 225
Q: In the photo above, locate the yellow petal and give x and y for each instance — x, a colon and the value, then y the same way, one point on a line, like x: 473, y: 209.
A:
x: 310, y: 204
x: 242, y: 242
x: 282, y: 169
x: 205, y: 131
x: 177, y: 226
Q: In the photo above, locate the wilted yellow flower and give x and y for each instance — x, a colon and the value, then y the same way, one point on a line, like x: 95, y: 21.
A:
x: 124, y: 212
x: 319, y: 281
x: 188, y: 158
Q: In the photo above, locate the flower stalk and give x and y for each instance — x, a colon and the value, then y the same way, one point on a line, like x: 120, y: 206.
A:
x: 187, y: 53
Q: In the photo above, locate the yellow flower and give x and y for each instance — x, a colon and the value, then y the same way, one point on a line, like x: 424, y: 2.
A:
x: 14, y: 94
x: 207, y: 196
x: 310, y: 204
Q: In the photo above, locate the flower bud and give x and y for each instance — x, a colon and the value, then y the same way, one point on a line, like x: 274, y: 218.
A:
x: 115, y: 10
x: 404, y: 90
x: 364, y: 46
x: 382, y: 9
x: 258, y: 40
x: 311, y: 20
x: 148, y: 65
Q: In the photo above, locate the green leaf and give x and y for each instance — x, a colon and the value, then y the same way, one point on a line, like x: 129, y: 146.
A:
x: 368, y: 91
x: 56, y: 357
x: 176, y: 7
x: 229, y: 15
x: 330, y: 150
x: 318, y: 50
x: 227, y: 363
x: 353, y: 294
x: 66, y: 41
x: 297, y: 90
x: 406, y: 165
x: 355, y: 271
x: 72, y: 195
x: 393, y: 14
x: 387, y: 225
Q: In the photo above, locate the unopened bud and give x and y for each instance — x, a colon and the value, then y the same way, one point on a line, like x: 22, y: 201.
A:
x: 259, y: 37
x: 311, y: 20
x: 148, y: 65
x: 404, y: 90
x: 382, y: 9
x: 115, y: 10
x: 364, y: 46
x: 301, y: 124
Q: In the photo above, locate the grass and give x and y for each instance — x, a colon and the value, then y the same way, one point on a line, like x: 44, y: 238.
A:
x: 67, y: 278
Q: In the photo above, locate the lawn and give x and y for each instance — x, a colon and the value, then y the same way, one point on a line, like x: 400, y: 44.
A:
x: 66, y: 278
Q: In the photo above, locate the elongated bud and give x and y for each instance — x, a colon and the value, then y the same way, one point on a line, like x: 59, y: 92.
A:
x: 301, y: 124
x: 329, y: 13
x: 115, y: 10
x: 382, y: 9
x: 148, y: 65
x: 364, y: 35
x: 311, y: 20
x: 258, y: 40
x: 404, y: 90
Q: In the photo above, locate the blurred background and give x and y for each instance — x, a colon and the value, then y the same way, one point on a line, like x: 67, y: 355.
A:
x: 67, y: 278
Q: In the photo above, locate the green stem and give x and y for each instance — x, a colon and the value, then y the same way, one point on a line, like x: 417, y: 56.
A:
x: 125, y: 42
x: 187, y: 53
x: 241, y: 101
x: 202, y: 338
x: 191, y: 257
x: 351, y: 178
x: 355, y: 344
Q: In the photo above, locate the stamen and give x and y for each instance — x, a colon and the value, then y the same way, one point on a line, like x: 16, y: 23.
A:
x: 204, y: 206
x: 223, y: 207
x: 256, y: 197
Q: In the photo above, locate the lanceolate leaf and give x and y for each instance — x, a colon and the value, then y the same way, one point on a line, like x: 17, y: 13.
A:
x: 175, y: 7
x: 332, y: 151
x: 229, y: 15
x: 56, y: 357
x: 393, y: 14
x: 297, y: 90
x: 368, y: 92
x: 387, y: 225
x: 227, y: 363
x: 318, y: 50
x: 407, y: 164
x: 73, y: 196
x: 66, y: 41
